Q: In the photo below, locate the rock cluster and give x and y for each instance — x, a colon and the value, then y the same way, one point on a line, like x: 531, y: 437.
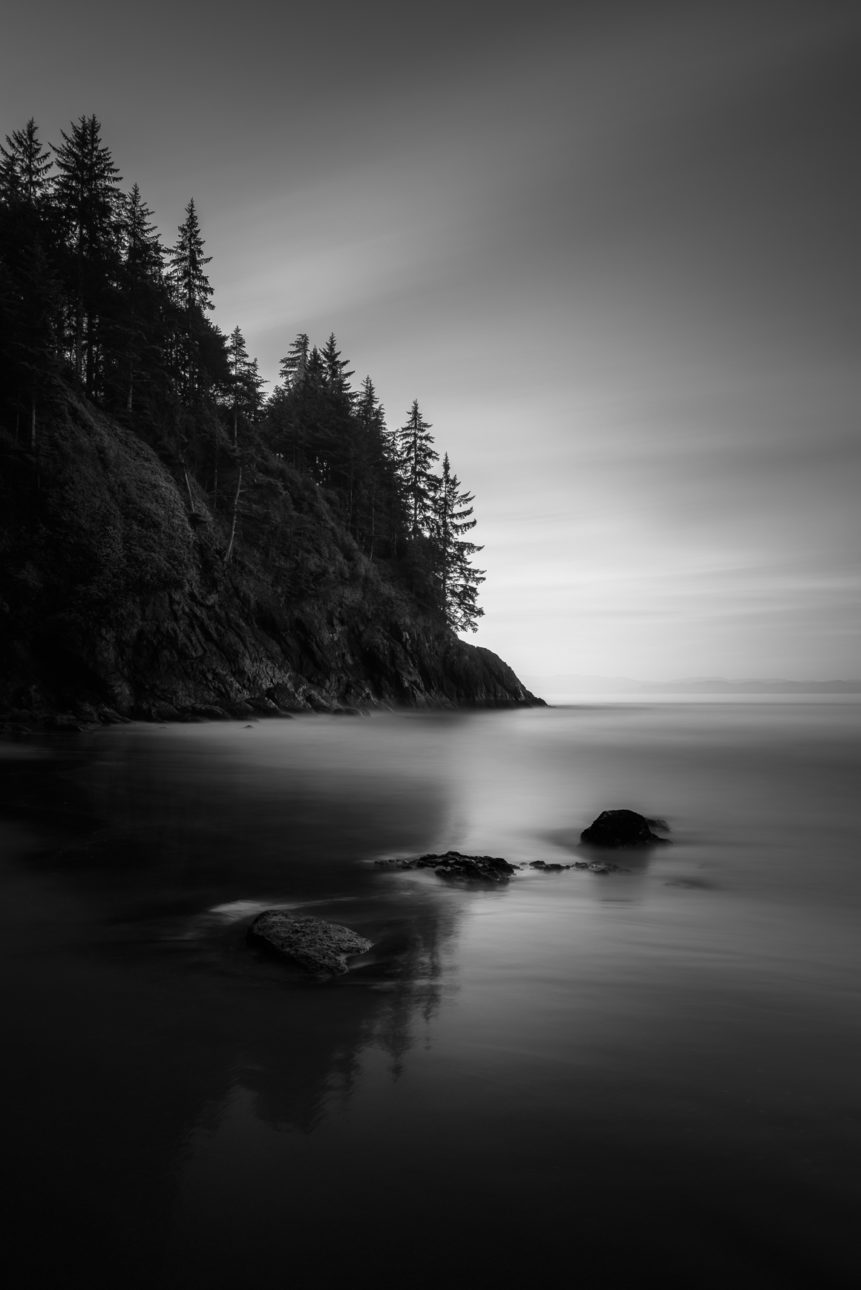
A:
x: 595, y: 866
x: 453, y: 864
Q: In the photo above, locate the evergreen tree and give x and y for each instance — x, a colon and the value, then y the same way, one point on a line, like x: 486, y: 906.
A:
x: 335, y: 375
x: 190, y: 285
x: 140, y: 333
x: 88, y: 205
x: 245, y: 382
x: 458, y: 581
x: 144, y: 254
x: 295, y: 411
x: 380, y: 520
x: 24, y: 166
x: 30, y: 296
x: 192, y: 295
x: 295, y: 363
x: 416, y: 456
x: 30, y: 300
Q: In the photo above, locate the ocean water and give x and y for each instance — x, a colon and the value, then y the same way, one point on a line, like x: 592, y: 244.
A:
x: 651, y: 1073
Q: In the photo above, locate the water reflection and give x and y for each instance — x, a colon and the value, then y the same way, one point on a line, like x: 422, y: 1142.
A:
x: 680, y: 1039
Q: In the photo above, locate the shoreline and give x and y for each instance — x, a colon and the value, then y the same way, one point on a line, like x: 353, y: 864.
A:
x: 80, y: 718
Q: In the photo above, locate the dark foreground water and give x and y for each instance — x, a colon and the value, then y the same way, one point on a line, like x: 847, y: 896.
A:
x: 644, y: 1076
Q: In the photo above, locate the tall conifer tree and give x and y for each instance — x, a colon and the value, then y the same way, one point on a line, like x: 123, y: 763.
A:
x: 88, y: 203
x: 140, y: 333
x: 191, y: 287
x: 192, y: 294
x: 458, y: 581
x: 24, y: 166
x: 416, y: 456
x: 335, y: 373
x: 245, y: 382
x: 31, y: 300
x: 295, y: 363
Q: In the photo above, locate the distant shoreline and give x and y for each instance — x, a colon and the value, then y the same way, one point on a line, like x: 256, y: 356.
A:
x: 623, y: 697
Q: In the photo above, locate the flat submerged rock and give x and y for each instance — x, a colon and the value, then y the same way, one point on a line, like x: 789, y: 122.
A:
x: 315, y: 946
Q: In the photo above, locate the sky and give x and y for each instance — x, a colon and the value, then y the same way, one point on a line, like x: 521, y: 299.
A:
x: 611, y: 247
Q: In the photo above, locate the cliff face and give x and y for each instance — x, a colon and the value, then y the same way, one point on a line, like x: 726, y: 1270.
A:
x: 115, y: 594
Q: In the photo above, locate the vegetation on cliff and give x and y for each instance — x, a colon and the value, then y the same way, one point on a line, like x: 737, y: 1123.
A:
x: 172, y: 541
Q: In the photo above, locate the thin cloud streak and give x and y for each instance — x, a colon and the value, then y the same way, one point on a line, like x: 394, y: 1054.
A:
x: 612, y: 249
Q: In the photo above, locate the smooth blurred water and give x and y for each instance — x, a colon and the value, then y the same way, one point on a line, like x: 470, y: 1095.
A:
x: 651, y: 1073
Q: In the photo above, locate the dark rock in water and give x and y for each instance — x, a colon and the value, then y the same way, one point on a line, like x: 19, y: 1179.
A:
x: 474, y: 868
x: 622, y: 829
x: 315, y: 946
x: 455, y: 865
x: 548, y: 868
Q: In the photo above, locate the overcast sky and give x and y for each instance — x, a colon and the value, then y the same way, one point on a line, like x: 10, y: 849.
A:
x: 612, y: 248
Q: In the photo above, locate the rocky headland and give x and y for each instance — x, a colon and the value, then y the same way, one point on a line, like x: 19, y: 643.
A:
x: 117, y: 599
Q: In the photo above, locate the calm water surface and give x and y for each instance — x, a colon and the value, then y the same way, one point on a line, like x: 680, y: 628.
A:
x: 654, y: 1073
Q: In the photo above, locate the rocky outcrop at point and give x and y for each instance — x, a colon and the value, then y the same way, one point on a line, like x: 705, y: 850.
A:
x: 114, y: 599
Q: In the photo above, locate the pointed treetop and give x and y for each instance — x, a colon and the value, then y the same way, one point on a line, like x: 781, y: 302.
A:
x: 294, y: 365
x: 143, y: 250
x: 190, y: 284
x: 334, y: 367
x: 86, y: 188
x: 23, y: 165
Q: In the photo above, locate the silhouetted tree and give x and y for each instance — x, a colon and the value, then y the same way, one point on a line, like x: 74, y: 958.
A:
x: 88, y: 206
x: 31, y: 298
x: 30, y: 302
x: 24, y: 166
x: 295, y: 363
x: 141, y: 333
x: 335, y: 373
x: 416, y: 456
x: 245, y: 383
x: 458, y: 581
x: 191, y: 287
x: 192, y: 294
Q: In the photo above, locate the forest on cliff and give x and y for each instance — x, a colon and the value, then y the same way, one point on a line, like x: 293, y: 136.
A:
x: 174, y: 539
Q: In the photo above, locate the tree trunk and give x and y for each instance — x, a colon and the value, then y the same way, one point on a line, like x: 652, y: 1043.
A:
x: 229, y: 552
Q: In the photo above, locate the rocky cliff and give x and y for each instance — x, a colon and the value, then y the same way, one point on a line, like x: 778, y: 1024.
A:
x: 118, y: 595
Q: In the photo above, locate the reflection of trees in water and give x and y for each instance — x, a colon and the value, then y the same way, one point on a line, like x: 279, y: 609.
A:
x: 416, y: 998
x: 300, y: 1069
x: 130, y: 1047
